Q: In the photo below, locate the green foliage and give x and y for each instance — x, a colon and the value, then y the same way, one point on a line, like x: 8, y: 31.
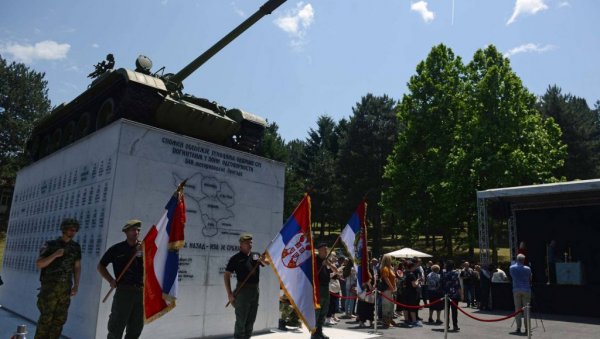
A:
x: 419, y: 195
x: 580, y: 127
x: 318, y: 171
x: 272, y: 145
x: 466, y: 128
x: 367, y: 141
x: 23, y: 100
x: 513, y: 144
x: 295, y: 185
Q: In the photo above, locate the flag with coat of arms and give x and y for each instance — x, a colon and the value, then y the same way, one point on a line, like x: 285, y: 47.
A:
x: 293, y: 260
x: 354, y: 238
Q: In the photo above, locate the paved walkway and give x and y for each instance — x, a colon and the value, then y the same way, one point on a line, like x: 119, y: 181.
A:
x: 556, y: 327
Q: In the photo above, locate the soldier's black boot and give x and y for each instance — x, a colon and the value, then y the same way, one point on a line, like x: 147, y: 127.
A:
x: 281, y: 326
x: 319, y: 334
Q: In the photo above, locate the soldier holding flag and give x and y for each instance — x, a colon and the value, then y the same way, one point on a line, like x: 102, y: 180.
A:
x: 245, y: 264
x: 127, y: 309
x: 324, y: 274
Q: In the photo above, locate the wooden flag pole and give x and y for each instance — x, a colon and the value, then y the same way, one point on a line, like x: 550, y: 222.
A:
x: 179, y: 190
x: 238, y: 288
x: 330, y: 251
x: 121, y: 274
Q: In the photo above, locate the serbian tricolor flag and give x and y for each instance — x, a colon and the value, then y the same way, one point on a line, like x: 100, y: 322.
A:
x: 354, y: 237
x: 293, y: 260
x: 161, y: 258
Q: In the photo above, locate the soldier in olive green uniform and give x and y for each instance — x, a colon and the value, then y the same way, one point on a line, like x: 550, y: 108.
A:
x: 324, y: 274
x: 60, y: 262
x: 127, y: 310
x: 245, y: 299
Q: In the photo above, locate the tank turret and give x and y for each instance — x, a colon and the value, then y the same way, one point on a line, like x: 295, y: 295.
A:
x: 154, y: 99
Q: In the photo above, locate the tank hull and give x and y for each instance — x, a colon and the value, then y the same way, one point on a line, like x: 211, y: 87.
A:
x: 143, y: 98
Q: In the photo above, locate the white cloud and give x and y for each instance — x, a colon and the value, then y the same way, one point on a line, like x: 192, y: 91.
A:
x: 529, y: 48
x: 564, y: 4
x: 95, y: 45
x: 529, y: 7
x: 238, y: 11
x: 421, y: 8
x: 73, y: 68
x: 43, y: 50
x: 296, y: 23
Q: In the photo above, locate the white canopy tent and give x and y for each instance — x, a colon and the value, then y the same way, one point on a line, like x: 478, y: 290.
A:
x: 408, y: 253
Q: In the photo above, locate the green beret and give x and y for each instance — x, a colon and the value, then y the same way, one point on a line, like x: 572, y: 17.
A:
x: 132, y: 223
x: 245, y: 237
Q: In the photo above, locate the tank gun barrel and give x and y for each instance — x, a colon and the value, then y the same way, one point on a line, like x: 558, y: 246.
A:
x: 264, y: 10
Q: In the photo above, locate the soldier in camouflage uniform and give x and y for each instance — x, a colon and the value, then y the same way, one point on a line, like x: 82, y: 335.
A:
x: 60, y: 262
x: 288, y: 315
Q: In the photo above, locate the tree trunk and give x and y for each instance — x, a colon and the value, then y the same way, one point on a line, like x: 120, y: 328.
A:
x: 376, y: 235
x: 471, y: 239
x: 449, y: 249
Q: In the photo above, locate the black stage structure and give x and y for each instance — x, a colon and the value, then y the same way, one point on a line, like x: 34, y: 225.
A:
x: 569, y: 214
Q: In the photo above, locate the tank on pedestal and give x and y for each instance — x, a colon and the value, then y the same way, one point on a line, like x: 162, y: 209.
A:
x: 155, y: 99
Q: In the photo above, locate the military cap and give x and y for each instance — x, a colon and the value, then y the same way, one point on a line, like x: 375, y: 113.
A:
x: 132, y: 223
x: 68, y: 223
x: 245, y: 237
x: 323, y: 244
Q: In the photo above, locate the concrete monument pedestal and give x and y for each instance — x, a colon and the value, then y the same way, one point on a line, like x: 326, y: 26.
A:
x: 129, y: 170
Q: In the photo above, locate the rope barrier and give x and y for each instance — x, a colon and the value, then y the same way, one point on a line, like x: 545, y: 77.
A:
x: 344, y: 297
x: 433, y: 303
x: 412, y: 306
x: 487, y: 320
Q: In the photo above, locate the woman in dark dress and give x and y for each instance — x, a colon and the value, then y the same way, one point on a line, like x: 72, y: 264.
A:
x: 410, y: 295
x: 365, y: 308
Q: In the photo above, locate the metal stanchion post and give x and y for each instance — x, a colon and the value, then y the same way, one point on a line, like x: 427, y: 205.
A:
x: 528, y: 320
x: 375, y: 291
x: 446, y: 312
x: 21, y: 332
x: 376, y: 314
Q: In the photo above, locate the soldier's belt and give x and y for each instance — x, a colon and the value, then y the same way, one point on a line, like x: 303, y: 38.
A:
x: 54, y: 280
x: 247, y: 286
x: 131, y: 286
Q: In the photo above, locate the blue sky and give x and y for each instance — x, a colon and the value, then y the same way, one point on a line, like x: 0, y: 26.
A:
x: 307, y: 58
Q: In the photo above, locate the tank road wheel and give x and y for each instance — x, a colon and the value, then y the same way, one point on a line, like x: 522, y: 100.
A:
x: 33, y: 148
x: 56, y: 141
x: 106, y: 113
x: 46, y: 146
x: 69, y: 133
x: 83, y: 126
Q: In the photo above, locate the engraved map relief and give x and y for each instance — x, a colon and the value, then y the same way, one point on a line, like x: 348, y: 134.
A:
x: 212, y: 201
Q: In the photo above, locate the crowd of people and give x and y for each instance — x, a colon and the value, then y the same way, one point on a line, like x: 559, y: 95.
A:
x: 405, y: 287
x: 411, y: 291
